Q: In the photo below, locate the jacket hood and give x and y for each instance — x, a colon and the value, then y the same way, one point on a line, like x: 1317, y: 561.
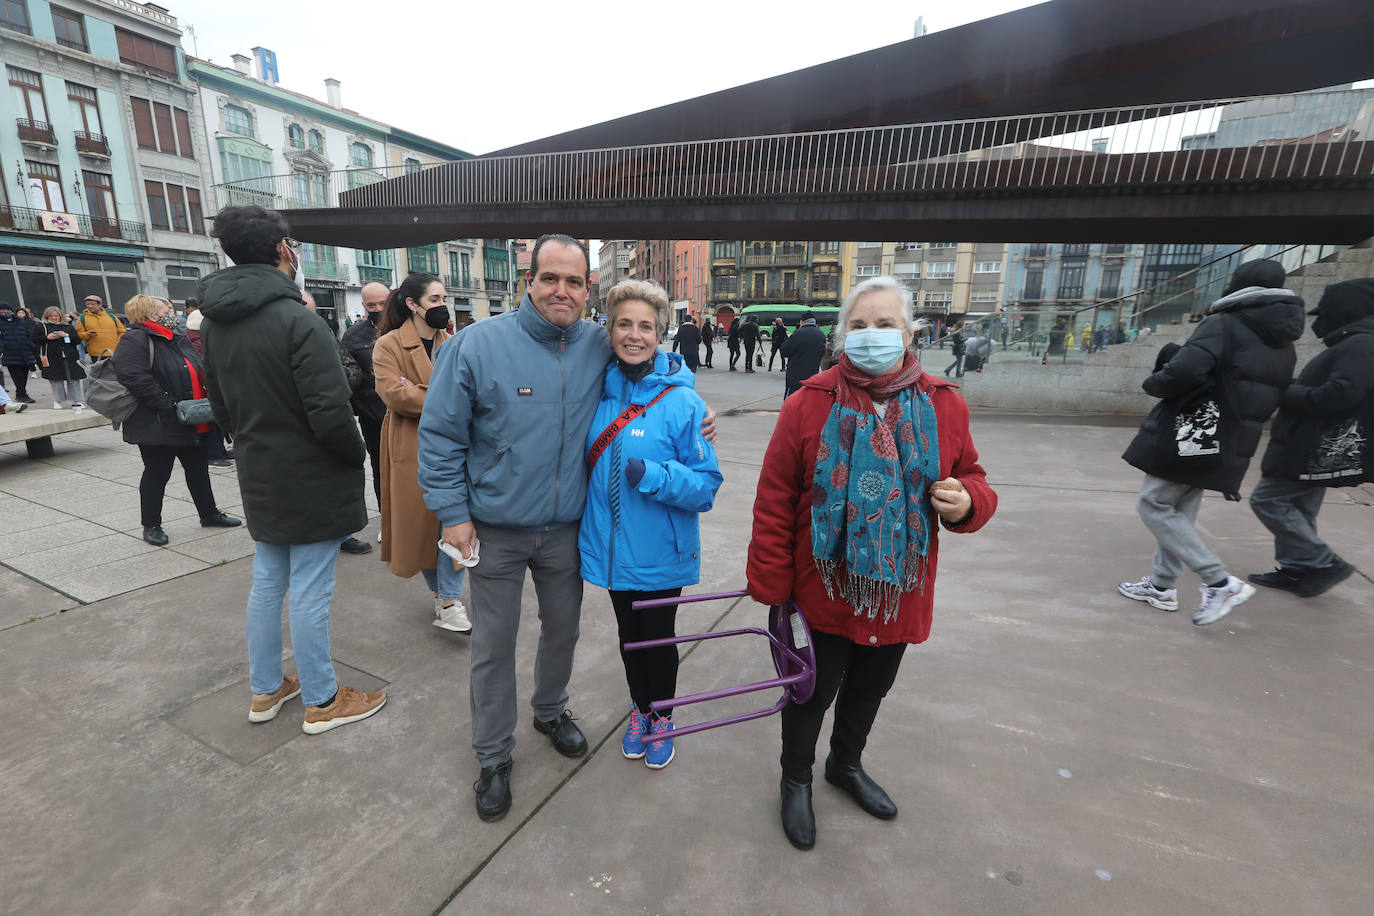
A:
x: 1344, y: 303
x: 1275, y: 315
x: 669, y: 372
x: 540, y: 328
x: 237, y: 292
x: 1359, y: 326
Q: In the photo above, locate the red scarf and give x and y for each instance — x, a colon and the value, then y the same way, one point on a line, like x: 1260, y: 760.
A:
x: 879, y: 387
x: 197, y: 386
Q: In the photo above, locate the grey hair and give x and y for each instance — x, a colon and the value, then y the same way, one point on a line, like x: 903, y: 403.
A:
x: 51, y: 310
x: 646, y: 291
x: 873, y: 285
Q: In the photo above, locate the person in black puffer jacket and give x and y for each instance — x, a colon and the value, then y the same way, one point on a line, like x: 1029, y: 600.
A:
x: 17, y: 351
x: 1245, y: 348
x: 1320, y: 439
x: 174, y: 373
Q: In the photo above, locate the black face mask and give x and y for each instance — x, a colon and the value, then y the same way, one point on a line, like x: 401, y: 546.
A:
x: 437, y: 317
x: 374, y: 317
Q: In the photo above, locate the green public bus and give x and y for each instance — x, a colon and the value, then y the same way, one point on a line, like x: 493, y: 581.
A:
x: 791, y: 315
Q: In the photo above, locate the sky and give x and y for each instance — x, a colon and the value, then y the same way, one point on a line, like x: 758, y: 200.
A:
x: 485, y: 76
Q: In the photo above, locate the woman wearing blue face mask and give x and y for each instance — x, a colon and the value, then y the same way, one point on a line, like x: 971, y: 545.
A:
x: 864, y: 458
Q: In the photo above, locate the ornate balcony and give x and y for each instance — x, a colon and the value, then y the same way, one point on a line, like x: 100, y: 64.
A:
x: 35, y: 132
x: 92, y: 144
x: 27, y: 219
x: 325, y: 270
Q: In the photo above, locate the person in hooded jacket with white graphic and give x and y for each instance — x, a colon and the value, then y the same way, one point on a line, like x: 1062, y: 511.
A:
x: 1242, y: 352
x: 1320, y: 438
x: 651, y: 474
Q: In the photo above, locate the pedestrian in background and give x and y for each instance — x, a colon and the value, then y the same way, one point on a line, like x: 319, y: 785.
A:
x: 412, y: 330
x: 161, y: 369
x: 358, y: 342
x: 956, y: 345
x: 802, y: 353
x: 732, y: 339
x: 866, y: 462
x: 749, y: 337
x: 708, y: 337
x: 17, y: 351
x: 640, y: 537
x: 778, y: 338
x: 1242, y: 356
x: 277, y: 386
x: 1321, y: 438
x: 60, y: 356
x: 688, y: 341
x: 98, y: 329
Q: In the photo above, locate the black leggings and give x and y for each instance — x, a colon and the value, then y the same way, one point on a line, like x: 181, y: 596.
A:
x: 650, y: 673
x: 157, y: 470
x: 20, y: 374
x: 862, y: 676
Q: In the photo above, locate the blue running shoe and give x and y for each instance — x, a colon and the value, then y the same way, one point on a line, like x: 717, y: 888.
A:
x: 660, y: 752
x: 632, y: 745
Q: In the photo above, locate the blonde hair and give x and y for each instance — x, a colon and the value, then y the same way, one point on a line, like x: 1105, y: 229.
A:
x: 141, y: 308
x: 51, y: 310
x: 645, y: 291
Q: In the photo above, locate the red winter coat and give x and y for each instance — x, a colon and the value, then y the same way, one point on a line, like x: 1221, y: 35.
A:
x: 780, y: 562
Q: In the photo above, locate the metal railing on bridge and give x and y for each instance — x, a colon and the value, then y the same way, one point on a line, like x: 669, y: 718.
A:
x: 1216, y: 144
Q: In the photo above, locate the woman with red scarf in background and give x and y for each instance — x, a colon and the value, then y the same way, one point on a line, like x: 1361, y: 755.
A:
x: 864, y: 458
x: 161, y: 367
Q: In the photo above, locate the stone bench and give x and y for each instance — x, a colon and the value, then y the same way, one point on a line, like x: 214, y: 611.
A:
x: 35, y: 428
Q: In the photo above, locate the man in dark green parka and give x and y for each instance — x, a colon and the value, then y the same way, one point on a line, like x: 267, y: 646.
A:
x: 277, y: 387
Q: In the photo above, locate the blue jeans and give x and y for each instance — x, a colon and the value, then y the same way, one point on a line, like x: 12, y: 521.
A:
x: 443, y: 581
x: 307, y: 570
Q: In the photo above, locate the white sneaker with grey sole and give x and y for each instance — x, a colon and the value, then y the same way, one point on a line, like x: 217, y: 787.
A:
x: 1166, y: 599
x: 453, y: 618
x: 1222, y: 600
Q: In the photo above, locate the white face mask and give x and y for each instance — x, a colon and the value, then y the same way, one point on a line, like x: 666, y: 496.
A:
x: 297, y: 275
x: 874, y: 350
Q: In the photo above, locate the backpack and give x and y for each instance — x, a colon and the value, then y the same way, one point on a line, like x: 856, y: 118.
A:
x: 106, y: 395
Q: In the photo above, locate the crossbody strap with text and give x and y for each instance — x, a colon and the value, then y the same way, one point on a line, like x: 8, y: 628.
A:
x: 619, y: 423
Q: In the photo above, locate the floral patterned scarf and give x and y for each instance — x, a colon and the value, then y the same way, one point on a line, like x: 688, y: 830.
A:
x: 870, y: 503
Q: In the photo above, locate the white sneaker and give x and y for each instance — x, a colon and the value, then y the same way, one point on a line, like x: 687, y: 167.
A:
x: 453, y: 618
x: 1220, y: 601
x: 1166, y: 599
x: 56, y: 405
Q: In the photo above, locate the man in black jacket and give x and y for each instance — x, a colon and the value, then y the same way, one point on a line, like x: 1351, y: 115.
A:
x: 732, y: 338
x: 688, y: 339
x: 1216, y: 392
x: 749, y: 336
x: 956, y: 349
x: 801, y: 353
x: 1320, y: 439
x: 779, y: 337
x: 277, y: 386
x: 367, y: 405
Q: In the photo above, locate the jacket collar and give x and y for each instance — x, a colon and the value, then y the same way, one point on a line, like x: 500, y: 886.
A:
x: 152, y: 327
x: 410, y: 338
x: 540, y: 328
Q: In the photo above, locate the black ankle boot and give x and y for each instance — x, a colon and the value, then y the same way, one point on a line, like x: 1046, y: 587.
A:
x: 798, y: 820
x: 861, y: 787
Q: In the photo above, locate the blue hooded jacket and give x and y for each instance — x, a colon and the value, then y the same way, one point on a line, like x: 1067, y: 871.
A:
x: 648, y: 537
x: 502, y: 435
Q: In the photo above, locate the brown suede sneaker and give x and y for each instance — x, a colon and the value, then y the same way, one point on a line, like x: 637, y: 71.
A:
x: 266, y: 705
x: 349, y: 706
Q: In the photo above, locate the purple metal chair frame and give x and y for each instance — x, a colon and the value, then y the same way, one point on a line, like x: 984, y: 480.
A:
x: 794, y: 658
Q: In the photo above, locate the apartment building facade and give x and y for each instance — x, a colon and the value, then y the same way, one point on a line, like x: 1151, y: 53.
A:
x: 764, y: 271
x: 103, y: 157
x: 1047, y: 281
x: 948, y: 280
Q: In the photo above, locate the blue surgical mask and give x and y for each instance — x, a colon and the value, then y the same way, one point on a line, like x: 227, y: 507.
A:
x: 874, y: 350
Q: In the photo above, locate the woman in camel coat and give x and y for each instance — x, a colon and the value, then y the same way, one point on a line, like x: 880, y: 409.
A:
x: 410, y: 331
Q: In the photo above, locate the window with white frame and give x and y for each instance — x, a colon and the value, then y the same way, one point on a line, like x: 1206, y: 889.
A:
x: 870, y: 244
x: 983, y: 297
x: 866, y: 270
x: 361, y: 155
x: 987, y: 267
x: 939, y: 270
x: 907, y: 270
x: 238, y: 120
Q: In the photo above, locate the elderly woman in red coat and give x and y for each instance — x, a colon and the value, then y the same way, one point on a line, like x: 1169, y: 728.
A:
x: 864, y: 458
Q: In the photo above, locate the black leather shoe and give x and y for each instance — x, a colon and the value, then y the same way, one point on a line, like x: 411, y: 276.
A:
x: 798, y: 820
x: 566, y: 737
x: 155, y: 535
x: 493, y: 792
x: 355, y: 546
x: 861, y: 787
x: 219, y: 520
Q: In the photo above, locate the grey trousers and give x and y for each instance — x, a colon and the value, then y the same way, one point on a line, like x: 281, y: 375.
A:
x: 496, y: 582
x: 1169, y: 510
x: 66, y: 391
x: 1288, y: 508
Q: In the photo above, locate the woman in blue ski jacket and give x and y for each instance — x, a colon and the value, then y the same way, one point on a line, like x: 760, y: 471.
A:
x: 651, y: 474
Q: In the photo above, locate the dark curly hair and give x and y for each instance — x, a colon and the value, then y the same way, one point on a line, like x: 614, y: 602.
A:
x: 250, y: 234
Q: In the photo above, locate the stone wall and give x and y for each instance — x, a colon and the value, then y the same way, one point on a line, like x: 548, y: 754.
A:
x: 1109, y: 381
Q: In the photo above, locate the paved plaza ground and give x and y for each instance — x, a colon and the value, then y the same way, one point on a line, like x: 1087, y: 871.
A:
x: 1054, y: 748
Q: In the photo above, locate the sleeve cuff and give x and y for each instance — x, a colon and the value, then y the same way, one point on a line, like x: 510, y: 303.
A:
x: 454, y: 515
x: 654, y: 477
